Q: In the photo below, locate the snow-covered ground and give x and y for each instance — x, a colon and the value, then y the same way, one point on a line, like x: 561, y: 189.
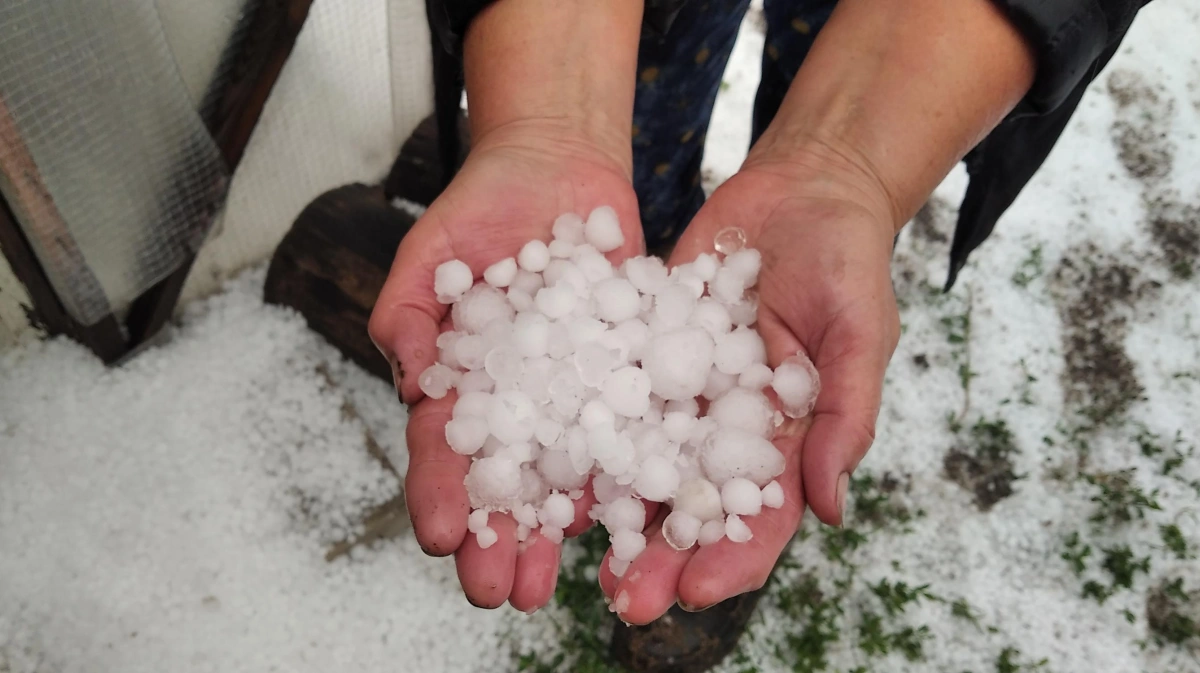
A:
x: 174, y: 514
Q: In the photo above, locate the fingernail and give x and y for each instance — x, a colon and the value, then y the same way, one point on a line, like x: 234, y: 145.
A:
x: 397, y: 377
x: 687, y: 608
x: 843, y: 485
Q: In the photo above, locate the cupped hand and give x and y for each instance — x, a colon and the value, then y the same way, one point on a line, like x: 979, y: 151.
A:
x: 515, y: 182
x: 824, y: 289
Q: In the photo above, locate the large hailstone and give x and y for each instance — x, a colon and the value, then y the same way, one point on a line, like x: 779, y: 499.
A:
x: 730, y: 453
x: 678, y: 363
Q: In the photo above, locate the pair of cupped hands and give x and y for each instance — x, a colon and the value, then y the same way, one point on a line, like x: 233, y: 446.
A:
x: 825, y: 233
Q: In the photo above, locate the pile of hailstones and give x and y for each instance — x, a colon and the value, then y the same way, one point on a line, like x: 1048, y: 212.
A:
x: 568, y: 368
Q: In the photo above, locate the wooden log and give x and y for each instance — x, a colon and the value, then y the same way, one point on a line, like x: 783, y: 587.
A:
x: 332, y: 264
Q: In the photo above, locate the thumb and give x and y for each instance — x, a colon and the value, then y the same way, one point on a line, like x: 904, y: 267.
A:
x: 851, y: 366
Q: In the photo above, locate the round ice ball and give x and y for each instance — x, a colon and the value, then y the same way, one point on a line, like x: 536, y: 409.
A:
x: 451, y: 279
x: 678, y: 363
x: 534, y: 256
x: 568, y: 227
x: 603, y: 230
x: 616, y: 300
x: 737, y: 530
x: 738, y: 350
x: 558, y: 511
x: 627, y: 391
x: 711, y: 532
x: 681, y: 530
x: 741, y: 496
x: 657, y: 479
x: 512, y: 417
x: 467, y: 434
x: 627, y: 544
x: 730, y: 453
x: 624, y: 513
x: 797, y: 384
x: 744, y: 409
x: 502, y: 273
x: 493, y: 482
x: 700, y: 498
x: 772, y: 495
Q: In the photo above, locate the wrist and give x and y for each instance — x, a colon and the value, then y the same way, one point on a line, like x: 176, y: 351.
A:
x: 563, y: 70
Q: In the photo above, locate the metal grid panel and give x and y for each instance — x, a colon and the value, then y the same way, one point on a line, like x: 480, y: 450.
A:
x: 112, y: 174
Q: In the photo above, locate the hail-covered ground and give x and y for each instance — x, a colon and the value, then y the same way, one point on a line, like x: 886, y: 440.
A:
x: 229, y: 500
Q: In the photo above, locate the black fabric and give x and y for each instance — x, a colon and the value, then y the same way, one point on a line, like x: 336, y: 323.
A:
x: 1072, y: 39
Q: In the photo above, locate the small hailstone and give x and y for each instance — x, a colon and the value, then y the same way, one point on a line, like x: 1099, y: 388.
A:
x: 678, y: 426
x: 657, y: 480
x: 674, y: 305
x: 625, y: 513
x: 477, y: 521
x: 738, y: 350
x: 558, y: 511
x: 744, y: 409
x: 746, y: 264
x: 595, y: 414
x: 678, y: 363
x: 705, y: 266
x: 436, y: 381
x: 466, y: 434
x: 528, y: 281
x: 745, y: 312
x: 584, y: 330
x: 547, y: 431
x: 602, y: 229
x: 502, y: 273
x: 712, y: 316
x: 741, y: 496
x: 486, y: 537
x: 471, y: 351
x: 450, y: 280
x: 689, y: 406
x: 472, y: 403
x: 627, y: 391
x: 737, y: 530
x: 648, y: 274
x: 681, y: 530
x: 475, y: 381
x: 517, y: 452
x: 479, y: 306
x: 493, y: 482
x: 594, y: 266
x: 704, y: 427
x: 555, y: 302
x: 756, y: 377
x: 534, y: 256
x: 727, y: 286
x: 772, y: 495
x: 526, y: 515
x: 568, y: 228
x: 797, y: 385
x: 504, y: 364
x: 700, y: 498
x: 522, y: 534
x: 711, y: 532
x: 560, y: 249
x: 729, y: 240
x: 552, y: 534
x: 627, y: 544
x: 635, y: 334
x: 445, y: 345
x: 512, y: 417
x: 558, y: 341
x: 618, y: 567
x: 606, y: 489
x: 616, y: 300
x: 730, y: 453
x: 530, y: 334
x: 717, y: 384
x: 520, y: 300
x: 558, y: 471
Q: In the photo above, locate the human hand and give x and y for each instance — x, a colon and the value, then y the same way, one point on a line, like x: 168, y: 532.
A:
x: 825, y: 231
x: 514, y: 184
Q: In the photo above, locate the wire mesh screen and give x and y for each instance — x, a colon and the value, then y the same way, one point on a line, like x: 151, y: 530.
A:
x: 107, y: 165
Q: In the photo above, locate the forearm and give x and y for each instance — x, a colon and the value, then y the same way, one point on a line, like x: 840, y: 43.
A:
x: 569, y: 64
x: 900, y: 92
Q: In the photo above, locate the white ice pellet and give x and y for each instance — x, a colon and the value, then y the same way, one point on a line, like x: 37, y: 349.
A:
x: 475, y: 381
x: 712, y: 316
x: 797, y: 385
x: 594, y: 266
x: 756, y: 377
x: 647, y: 274
x: 626, y: 391
x: 436, y: 380
x: 558, y: 511
x: 744, y: 409
x: 446, y: 342
x: 450, y: 280
x: 520, y: 300
x: 658, y: 480
x: 493, y: 482
x: 741, y: 496
x: 678, y: 363
x: 534, y: 256
x: 526, y: 515
x: 738, y: 350
x: 503, y: 364
x: 674, y: 305
x: 556, y: 302
x: 522, y: 534
x: 527, y: 281
x: 625, y: 513
x: 772, y: 495
x: 689, y: 406
x: 479, y: 306
x: 603, y: 230
x: 466, y: 434
x: 704, y: 427
x: 530, y: 334
x: 730, y: 453
x: 717, y: 384
x: 502, y: 273
x: 616, y: 300
x: 705, y: 266
x: 681, y: 530
x: 552, y: 535
x: 745, y: 312
x: 547, y: 431
x: 627, y: 544
x: 711, y: 532
x: 560, y: 249
x: 512, y: 417
x: 745, y: 263
x: 486, y: 537
x: 477, y: 521
x: 618, y: 567
x: 556, y: 468
x: 472, y: 403
x: 737, y: 530
x: 700, y: 498
x: 727, y: 286
x: 678, y: 426
x: 634, y: 333
x: 595, y: 414
x: 568, y: 228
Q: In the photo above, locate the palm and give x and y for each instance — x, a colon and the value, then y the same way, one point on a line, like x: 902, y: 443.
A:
x: 824, y: 288
x: 508, y: 192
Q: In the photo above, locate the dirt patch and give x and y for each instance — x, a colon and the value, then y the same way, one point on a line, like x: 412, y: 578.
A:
x: 1140, y: 130
x: 982, y: 463
x: 1175, y: 227
x: 1096, y: 295
x: 1173, y: 614
x: 932, y: 222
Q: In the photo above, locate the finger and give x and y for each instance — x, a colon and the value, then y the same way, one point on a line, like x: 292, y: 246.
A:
x: 434, y: 492
x: 650, y: 586
x: 487, y: 575
x: 725, y: 569
x: 536, y: 574
x: 851, y: 366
